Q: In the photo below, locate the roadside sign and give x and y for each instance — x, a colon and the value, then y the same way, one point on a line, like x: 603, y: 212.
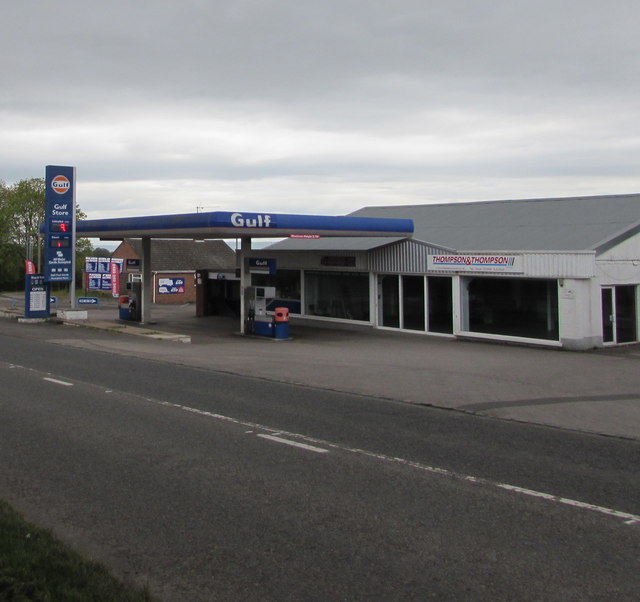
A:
x: 88, y: 301
x: 36, y: 298
x: 60, y: 221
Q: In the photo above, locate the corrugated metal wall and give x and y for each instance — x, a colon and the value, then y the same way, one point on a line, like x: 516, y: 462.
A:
x: 407, y: 256
x: 410, y: 257
x: 560, y: 265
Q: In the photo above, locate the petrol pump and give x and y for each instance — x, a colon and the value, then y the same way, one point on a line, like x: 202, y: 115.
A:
x: 258, y: 298
x: 129, y: 305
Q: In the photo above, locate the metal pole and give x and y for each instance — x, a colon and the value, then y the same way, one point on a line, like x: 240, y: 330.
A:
x: 245, y: 280
x: 145, y: 302
x: 72, y: 285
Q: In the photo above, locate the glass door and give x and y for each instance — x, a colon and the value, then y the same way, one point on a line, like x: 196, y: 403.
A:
x: 413, y: 302
x: 608, y: 317
x: 390, y: 299
x: 619, y: 314
x: 625, y: 304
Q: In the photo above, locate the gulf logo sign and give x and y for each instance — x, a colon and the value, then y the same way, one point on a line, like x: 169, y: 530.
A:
x: 60, y: 184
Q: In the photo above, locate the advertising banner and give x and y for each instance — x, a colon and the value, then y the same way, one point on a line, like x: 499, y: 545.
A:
x: 170, y: 286
x: 94, y: 282
x: 101, y: 265
x: 105, y: 282
x: 115, y: 278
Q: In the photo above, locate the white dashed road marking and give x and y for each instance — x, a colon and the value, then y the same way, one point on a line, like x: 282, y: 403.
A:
x: 58, y: 382
x: 272, y: 434
x: 628, y: 518
x: 318, y: 450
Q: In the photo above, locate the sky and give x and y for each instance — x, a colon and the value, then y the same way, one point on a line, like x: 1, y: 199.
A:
x: 320, y: 107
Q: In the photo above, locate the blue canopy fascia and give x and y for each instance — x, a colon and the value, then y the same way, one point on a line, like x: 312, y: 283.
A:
x: 227, y: 224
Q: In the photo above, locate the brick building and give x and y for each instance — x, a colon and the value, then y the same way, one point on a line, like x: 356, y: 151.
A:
x: 173, y: 265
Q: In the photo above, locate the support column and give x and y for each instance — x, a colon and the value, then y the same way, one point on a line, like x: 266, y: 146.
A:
x: 460, y: 302
x: 245, y: 280
x: 145, y: 302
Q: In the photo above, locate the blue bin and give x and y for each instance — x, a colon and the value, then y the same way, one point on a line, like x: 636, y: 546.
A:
x: 281, y: 330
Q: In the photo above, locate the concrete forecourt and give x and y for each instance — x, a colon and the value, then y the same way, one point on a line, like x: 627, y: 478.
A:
x: 194, y: 460
x: 596, y: 391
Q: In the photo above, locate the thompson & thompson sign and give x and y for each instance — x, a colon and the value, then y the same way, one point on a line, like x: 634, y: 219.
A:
x: 475, y: 263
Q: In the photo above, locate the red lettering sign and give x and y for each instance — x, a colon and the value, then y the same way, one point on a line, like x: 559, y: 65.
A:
x: 115, y: 278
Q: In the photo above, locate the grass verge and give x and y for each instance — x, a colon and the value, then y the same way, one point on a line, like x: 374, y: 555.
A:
x: 35, y: 566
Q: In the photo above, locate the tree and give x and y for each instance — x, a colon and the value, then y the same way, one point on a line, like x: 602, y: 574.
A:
x: 11, y: 255
x: 4, y: 197
x: 22, y: 211
x: 26, y: 206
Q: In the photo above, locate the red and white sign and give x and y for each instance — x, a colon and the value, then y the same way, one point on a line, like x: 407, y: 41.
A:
x: 29, y: 267
x: 475, y: 263
x: 115, y: 278
x: 60, y: 184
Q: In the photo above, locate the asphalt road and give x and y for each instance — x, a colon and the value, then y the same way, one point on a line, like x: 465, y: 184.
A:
x: 211, y: 486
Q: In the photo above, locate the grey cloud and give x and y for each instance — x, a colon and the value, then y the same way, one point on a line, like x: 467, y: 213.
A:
x: 287, y: 51
x: 518, y: 88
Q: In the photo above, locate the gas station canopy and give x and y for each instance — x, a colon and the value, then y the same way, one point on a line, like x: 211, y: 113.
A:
x: 227, y: 224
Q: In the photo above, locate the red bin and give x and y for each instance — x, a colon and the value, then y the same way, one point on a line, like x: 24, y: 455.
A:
x: 281, y: 314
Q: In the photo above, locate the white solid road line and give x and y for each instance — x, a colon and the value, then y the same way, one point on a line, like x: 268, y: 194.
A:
x: 629, y: 519
x: 57, y: 382
x: 317, y: 450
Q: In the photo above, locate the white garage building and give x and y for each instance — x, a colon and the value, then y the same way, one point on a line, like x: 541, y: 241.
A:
x: 557, y: 272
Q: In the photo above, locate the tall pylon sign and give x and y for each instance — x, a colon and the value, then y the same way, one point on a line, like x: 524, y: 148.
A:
x: 60, y: 223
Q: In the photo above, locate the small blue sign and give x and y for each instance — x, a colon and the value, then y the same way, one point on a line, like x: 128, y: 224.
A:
x: 258, y: 265
x: 36, y: 296
x: 87, y: 301
x: 53, y: 299
x: 94, y: 282
x: 105, y: 282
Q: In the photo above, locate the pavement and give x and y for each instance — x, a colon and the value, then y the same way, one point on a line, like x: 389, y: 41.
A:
x: 595, y: 391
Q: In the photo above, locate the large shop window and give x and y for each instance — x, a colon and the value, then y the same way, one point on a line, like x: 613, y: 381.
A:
x: 513, y: 307
x: 402, y: 303
x: 287, y: 283
x: 337, y: 294
x: 440, y: 304
x: 626, y: 331
x: 390, y: 300
x: 413, y: 302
